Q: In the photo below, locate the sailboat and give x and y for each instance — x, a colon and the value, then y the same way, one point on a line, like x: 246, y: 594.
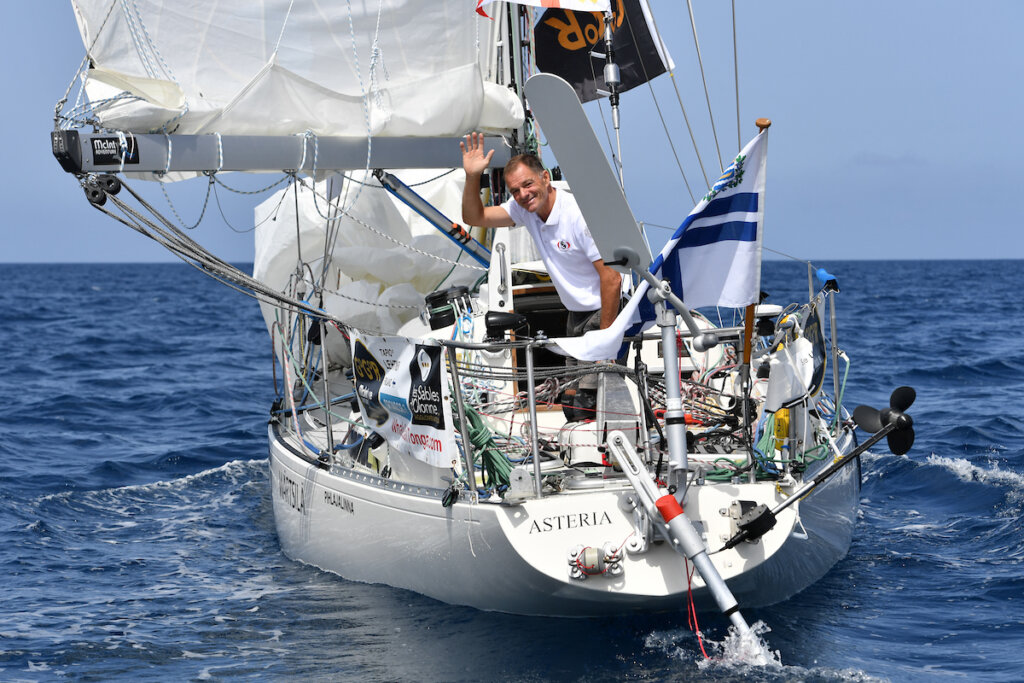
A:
x: 419, y: 438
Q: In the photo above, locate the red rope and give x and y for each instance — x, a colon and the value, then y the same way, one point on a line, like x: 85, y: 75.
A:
x: 584, y: 567
x: 691, y: 611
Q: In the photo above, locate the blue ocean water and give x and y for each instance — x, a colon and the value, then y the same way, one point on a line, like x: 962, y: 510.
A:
x: 137, y: 543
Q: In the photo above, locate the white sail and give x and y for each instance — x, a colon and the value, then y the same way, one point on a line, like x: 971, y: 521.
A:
x: 382, y: 68
x: 383, y: 257
x: 275, y: 67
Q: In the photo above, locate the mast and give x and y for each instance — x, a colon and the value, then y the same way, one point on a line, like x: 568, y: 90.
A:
x: 515, y: 55
x: 613, y: 80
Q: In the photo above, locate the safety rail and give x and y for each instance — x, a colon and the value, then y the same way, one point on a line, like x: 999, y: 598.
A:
x: 527, y: 346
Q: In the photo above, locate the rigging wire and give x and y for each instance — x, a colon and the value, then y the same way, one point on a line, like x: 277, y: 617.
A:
x: 138, y: 34
x: 284, y: 177
x: 604, y: 122
x: 88, y: 56
x: 284, y: 25
x: 362, y: 91
x: 682, y: 108
x: 331, y: 233
x: 378, y: 186
x: 298, y: 230
x: 789, y: 256
x: 704, y: 80
x: 220, y: 208
x: 333, y: 229
x: 736, y: 77
x: 351, y: 216
x: 661, y: 117
x: 131, y: 18
x: 179, y: 243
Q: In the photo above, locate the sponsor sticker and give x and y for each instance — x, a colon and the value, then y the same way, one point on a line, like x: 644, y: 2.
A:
x: 108, y: 151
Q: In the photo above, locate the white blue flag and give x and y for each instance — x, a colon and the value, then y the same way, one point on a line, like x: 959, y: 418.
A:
x: 712, y: 259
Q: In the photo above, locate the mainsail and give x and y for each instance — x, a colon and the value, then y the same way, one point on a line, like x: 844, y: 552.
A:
x: 279, y: 67
x: 403, y: 69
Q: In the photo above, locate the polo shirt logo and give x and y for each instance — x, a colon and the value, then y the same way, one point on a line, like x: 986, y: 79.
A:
x: 563, y: 246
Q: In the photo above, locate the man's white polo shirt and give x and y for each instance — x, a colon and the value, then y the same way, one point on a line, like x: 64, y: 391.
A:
x: 567, y: 249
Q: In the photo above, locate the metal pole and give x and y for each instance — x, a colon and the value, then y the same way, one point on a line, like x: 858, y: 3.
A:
x: 685, y: 539
x: 744, y: 374
x: 642, y: 391
x: 499, y: 249
x: 327, y: 392
x: 835, y: 351
x: 702, y: 340
x: 467, y: 446
x: 532, y: 403
x: 675, y: 425
x: 612, y: 80
x: 453, y: 231
x: 515, y: 55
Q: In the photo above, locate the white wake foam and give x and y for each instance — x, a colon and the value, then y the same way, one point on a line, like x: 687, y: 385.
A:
x: 749, y: 649
x: 990, y: 475
x: 965, y: 470
x: 237, y: 471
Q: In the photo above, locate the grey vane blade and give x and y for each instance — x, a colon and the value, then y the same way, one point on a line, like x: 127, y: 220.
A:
x: 586, y: 168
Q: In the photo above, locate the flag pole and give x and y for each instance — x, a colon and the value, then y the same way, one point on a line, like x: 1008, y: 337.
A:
x: 748, y: 323
x: 748, y: 343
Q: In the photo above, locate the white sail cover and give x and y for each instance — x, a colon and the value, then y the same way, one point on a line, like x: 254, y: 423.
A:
x: 383, y: 257
x: 277, y: 67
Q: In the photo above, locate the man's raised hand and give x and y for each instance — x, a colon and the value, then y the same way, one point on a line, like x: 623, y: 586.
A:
x: 474, y: 161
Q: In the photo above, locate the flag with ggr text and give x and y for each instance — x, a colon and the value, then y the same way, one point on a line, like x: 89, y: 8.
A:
x: 571, y: 45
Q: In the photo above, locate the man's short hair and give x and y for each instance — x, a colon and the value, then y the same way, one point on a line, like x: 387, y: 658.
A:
x: 530, y: 161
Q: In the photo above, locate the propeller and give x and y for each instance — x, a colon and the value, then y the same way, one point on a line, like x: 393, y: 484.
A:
x: 901, y: 432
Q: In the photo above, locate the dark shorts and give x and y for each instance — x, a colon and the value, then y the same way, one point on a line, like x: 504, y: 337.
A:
x: 576, y: 325
x: 579, y: 322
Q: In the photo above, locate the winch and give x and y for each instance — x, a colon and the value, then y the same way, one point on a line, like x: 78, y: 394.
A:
x: 442, y: 305
x: 588, y: 560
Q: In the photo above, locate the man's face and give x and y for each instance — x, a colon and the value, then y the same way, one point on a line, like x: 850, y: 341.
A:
x: 530, y: 189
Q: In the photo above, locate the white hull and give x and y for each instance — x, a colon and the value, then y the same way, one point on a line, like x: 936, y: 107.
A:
x: 515, y: 558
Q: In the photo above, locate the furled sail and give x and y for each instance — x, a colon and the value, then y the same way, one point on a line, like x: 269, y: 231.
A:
x: 378, y: 257
x: 280, y: 67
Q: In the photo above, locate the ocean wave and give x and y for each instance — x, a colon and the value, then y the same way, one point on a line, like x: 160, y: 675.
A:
x: 235, y: 471
x: 991, y: 474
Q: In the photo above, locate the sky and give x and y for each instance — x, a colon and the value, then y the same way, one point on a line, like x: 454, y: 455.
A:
x: 892, y: 133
